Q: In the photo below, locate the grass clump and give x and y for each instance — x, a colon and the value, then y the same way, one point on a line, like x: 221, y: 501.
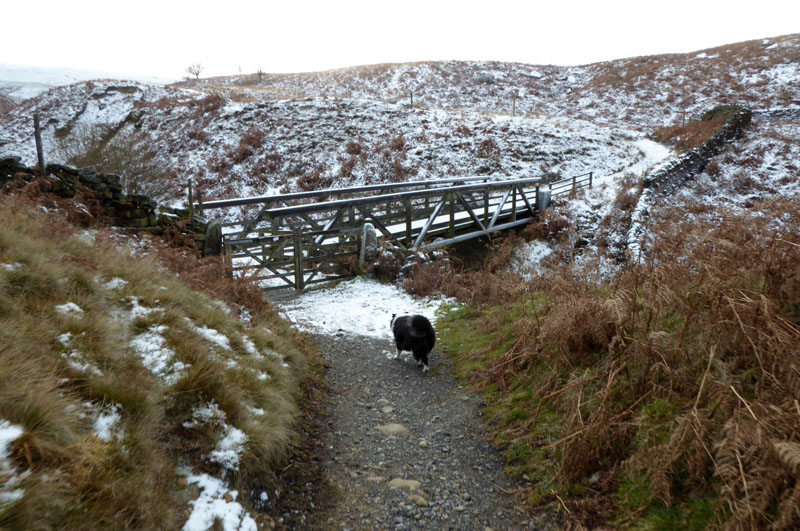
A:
x: 663, y: 397
x: 119, y: 379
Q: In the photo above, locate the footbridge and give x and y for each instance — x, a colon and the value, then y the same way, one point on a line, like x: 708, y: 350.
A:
x: 299, y: 239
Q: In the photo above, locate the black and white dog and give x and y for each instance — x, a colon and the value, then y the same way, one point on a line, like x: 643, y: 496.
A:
x: 414, y: 333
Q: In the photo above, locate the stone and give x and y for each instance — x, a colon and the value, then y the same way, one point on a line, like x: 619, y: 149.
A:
x: 392, y: 429
x: 376, y: 479
x: 423, y: 443
x: 387, y: 409
x: 418, y: 500
x: 369, y: 245
x: 213, y: 238
x: 410, y: 484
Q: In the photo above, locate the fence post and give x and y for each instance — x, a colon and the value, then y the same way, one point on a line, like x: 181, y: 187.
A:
x: 39, y: 150
x: 452, y: 215
x: 514, y: 203
x: 409, y: 242
x: 590, y: 179
x: 573, y: 184
x: 299, y: 278
x: 485, y: 206
x: 191, y: 207
x: 536, y: 207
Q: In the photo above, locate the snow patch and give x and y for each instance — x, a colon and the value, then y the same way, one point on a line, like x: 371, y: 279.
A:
x: 212, y: 505
x: 361, y: 306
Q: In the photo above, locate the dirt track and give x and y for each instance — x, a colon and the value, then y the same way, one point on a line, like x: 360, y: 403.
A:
x: 400, y: 449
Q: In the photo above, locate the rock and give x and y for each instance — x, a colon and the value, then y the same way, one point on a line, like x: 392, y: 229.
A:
x: 387, y: 409
x: 376, y: 479
x: 418, y: 500
x: 392, y: 429
x: 369, y: 245
x: 410, y: 484
x: 213, y: 238
x: 423, y: 443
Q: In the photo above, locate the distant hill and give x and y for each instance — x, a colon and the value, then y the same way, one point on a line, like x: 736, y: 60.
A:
x: 18, y: 82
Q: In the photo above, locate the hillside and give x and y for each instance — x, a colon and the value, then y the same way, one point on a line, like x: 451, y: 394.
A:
x: 139, y: 388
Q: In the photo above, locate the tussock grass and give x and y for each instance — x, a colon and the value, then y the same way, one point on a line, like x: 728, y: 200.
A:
x: 60, y: 369
x: 664, y: 397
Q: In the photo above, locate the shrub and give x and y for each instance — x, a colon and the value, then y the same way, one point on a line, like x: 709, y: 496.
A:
x: 126, y: 152
x: 488, y: 149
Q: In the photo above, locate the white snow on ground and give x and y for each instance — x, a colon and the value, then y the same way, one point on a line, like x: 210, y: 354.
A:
x: 211, y: 335
x: 106, y: 423
x: 531, y: 255
x: 361, y: 306
x: 212, y: 505
x: 9, y: 479
x: 69, y: 307
x: 152, y: 348
x: 591, y: 206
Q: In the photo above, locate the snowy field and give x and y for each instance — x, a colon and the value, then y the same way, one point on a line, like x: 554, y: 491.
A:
x: 361, y: 306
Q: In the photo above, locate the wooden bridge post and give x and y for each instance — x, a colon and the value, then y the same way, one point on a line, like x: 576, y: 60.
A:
x: 299, y: 278
x: 452, y: 215
x: 590, y: 179
x: 409, y: 242
x: 514, y: 203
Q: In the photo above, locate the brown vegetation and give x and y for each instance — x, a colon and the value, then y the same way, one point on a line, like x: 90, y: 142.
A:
x: 668, y: 393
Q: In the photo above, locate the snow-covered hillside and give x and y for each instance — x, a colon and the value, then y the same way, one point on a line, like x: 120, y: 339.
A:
x: 240, y: 148
x: 242, y: 135
x: 19, y: 82
x: 639, y: 92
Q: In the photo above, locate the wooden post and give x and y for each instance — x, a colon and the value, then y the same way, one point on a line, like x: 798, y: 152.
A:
x: 409, y: 243
x: 514, y: 106
x: 513, y: 203
x: 191, y: 206
x: 452, y: 215
x: 573, y: 184
x: 590, y: 179
x: 412, y: 98
x: 299, y: 278
x: 485, y: 206
x: 199, y: 202
x: 39, y: 150
x: 227, y: 260
x: 536, y: 208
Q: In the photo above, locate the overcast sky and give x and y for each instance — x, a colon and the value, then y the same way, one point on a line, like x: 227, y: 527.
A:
x: 163, y: 37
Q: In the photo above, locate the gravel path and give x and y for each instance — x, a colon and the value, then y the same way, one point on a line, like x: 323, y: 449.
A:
x: 403, y: 449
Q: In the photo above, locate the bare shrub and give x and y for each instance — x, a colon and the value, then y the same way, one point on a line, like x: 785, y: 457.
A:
x: 354, y: 148
x: 550, y: 224
x: 712, y: 168
x: 125, y: 152
x: 488, y: 149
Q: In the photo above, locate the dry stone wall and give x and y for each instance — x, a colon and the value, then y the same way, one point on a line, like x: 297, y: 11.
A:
x: 128, y: 211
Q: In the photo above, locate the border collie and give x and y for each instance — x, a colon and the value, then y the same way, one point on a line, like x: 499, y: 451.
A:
x: 414, y: 333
